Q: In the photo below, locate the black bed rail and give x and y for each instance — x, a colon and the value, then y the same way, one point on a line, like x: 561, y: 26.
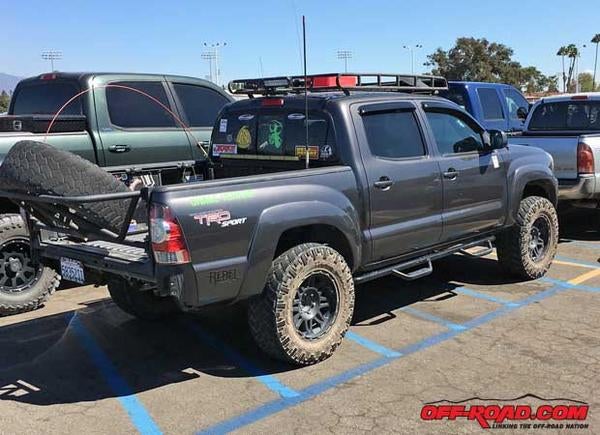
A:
x: 58, y: 214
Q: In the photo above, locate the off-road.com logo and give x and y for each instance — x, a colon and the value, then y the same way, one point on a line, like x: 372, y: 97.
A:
x: 513, y: 416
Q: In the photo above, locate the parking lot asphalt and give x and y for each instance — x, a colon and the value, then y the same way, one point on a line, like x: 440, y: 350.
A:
x: 80, y: 365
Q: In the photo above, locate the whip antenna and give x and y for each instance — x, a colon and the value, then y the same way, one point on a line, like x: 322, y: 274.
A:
x: 305, y: 88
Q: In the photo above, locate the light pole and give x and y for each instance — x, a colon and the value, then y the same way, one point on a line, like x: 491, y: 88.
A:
x: 411, y: 49
x: 51, y: 55
x: 345, y: 55
x: 212, y: 54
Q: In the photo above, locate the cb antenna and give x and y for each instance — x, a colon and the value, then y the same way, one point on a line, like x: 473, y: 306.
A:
x: 305, y: 88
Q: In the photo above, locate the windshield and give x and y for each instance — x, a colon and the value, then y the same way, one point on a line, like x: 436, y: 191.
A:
x: 566, y: 115
x: 46, y: 98
x: 273, y: 134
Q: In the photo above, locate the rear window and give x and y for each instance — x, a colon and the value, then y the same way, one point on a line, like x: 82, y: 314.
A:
x: 274, y: 133
x: 566, y: 115
x: 46, y: 98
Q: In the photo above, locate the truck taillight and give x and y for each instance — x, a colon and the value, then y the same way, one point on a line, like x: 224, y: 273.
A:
x: 585, y: 159
x: 168, y: 243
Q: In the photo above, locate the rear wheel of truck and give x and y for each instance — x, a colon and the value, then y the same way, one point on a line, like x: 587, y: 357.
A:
x: 24, y: 285
x: 143, y: 304
x: 306, y: 307
x: 527, y: 249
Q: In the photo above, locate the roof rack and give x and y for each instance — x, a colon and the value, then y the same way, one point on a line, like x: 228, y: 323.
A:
x: 346, y: 82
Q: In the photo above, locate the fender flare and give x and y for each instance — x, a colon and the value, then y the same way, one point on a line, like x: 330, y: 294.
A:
x: 523, y: 175
x: 274, y: 221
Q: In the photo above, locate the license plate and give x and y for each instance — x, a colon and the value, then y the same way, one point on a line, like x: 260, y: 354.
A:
x: 72, y: 270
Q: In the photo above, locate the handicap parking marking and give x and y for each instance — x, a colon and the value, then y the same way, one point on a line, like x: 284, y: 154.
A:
x: 136, y: 411
x: 312, y: 391
x: 568, y: 261
x: 423, y: 315
x: 371, y: 345
x: 270, y: 381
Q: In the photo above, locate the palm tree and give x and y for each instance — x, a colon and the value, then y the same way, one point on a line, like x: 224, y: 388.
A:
x: 595, y: 40
x: 572, y: 54
x: 562, y: 52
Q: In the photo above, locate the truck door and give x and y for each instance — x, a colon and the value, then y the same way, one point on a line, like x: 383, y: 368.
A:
x: 199, y: 106
x: 492, y: 114
x: 474, y: 178
x: 514, y: 101
x: 404, y: 181
x: 136, y: 130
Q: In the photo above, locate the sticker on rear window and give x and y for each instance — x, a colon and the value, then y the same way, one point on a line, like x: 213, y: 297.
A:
x: 243, y: 139
x: 313, y: 152
x: 296, y: 116
x: 227, y: 148
x: 223, y: 126
x: 246, y: 117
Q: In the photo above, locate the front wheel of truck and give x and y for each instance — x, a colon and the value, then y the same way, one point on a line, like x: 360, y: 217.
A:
x: 143, y: 304
x: 24, y: 285
x: 527, y: 249
x: 306, y: 306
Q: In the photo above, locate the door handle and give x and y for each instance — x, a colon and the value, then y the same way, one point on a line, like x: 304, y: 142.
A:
x: 451, y: 174
x: 384, y: 183
x: 119, y: 148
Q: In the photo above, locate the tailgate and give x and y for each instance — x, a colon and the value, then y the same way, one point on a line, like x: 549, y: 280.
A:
x: 563, y: 150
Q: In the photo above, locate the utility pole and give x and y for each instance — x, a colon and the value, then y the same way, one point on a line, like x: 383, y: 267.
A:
x: 411, y: 49
x: 212, y: 54
x: 51, y: 55
x: 345, y: 55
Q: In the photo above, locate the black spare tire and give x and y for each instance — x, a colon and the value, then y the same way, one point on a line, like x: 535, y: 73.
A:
x: 38, y: 168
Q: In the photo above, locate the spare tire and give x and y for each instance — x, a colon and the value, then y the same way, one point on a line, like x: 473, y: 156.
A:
x: 38, y: 168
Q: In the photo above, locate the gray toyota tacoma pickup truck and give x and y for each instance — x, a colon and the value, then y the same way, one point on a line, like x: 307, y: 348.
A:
x: 306, y: 196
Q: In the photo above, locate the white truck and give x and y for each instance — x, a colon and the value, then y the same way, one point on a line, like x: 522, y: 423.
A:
x: 568, y: 128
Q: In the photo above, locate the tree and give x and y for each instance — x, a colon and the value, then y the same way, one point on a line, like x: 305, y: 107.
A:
x: 595, y: 40
x: 586, y: 82
x: 4, y: 101
x: 572, y: 52
x: 481, y: 60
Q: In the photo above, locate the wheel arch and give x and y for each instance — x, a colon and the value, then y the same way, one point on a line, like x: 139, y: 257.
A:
x: 286, y: 225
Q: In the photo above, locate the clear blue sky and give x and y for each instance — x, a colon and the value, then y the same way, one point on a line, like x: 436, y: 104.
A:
x: 167, y: 35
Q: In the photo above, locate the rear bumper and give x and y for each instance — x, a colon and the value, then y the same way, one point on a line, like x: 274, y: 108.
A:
x: 585, y: 187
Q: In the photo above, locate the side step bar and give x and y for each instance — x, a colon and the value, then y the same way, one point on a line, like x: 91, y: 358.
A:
x: 427, y: 269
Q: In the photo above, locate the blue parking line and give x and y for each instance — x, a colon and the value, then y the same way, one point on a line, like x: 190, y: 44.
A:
x: 569, y: 285
x: 371, y: 345
x: 270, y: 381
x: 432, y: 318
x: 136, y: 411
x: 308, y: 393
x: 469, y: 292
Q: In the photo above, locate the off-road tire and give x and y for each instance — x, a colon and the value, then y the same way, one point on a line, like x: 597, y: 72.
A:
x: 270, y: 314
x: 144, y: 304
x: 45, y: 282
x: 38, y: 168
x: 513, y: 244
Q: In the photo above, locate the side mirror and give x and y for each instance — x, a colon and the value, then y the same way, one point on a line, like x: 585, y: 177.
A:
x: 498, y: 139
x: 522, y: 113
